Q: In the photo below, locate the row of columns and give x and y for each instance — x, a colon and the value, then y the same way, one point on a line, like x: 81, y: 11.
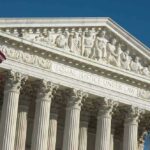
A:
x: 45, y: 129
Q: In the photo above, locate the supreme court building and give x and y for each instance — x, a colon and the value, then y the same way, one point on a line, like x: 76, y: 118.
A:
x: 72, y: 84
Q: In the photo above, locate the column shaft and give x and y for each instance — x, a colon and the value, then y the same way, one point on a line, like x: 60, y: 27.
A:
x: 130, y: 136
x: 21, y: 131
x: 9, y: 111
x: 42, y: 113
x: 131, y: 128
x: 52, y: 133
x: 112, y: 141
x: 104, y: 124
x: 103, y: 133
x: 41, y: 123
x: 83, y: 135
x: 71, y: 131
x: 8, y: 120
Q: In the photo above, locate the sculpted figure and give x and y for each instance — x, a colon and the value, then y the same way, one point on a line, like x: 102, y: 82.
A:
x: 88, y: 40
x: 52, y: 37
x: 113, y: 53
x: 38, y: 38
x: 146, y: 71
x: 62, y: 40
x: 136, y: 65
x: 118, y: 53
x: 42, y: 38
x: 100, y: 46
x: 45, y: 39
x: 75, y: 43
x: 29, y: 35
x: 125, y: 60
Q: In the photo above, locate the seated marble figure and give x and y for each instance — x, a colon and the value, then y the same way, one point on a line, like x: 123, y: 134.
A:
x: 113, y: 53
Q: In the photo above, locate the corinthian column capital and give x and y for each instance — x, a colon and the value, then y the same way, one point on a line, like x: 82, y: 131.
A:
x: 133, y: 114
x: 76, y: 97
x: 15, y: 80
x: 107, y: 106
x: 46, y: 90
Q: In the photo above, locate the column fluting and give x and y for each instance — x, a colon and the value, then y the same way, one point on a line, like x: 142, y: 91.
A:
x: 21, y: 130
x: 42, y: 112
x: 112, y: 140
x: 52, y: 133
x: 71, y: 131
x: 131, y: 129
x: 9, y: 110
x: 83, y: 135
x: 104, y: 125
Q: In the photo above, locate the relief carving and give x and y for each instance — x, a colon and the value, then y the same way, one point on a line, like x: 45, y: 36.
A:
x: 25, y: 57
x: 97, y: 44
x: 136, y: 65
x: 62, y: 40
x: 125, y: 60
x: 100, y: 46
x: 88, y: 39
x: 113, y: 53
x: 144, y: 94
x: 74, y: 43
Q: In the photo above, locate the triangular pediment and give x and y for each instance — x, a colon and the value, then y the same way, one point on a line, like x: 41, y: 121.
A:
x: 97, y: 39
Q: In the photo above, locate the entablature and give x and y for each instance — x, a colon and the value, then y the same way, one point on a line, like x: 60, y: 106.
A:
x: 29, y: 49
x: 92, y: 50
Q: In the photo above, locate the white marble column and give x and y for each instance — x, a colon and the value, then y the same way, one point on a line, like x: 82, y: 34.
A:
x: 71, y: 131
x: 131, y: 129
x: 52, y: 133
x: 9, y: 110
x: 104, y: 125
x: 21, y: 129
x: 83, y: 135
x: 42, y: 113
x: 141, y: 146
x: 112, y: 140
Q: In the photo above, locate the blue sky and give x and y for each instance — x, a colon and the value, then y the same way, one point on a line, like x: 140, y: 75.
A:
x: 133, y: 15
x: 147, y: 143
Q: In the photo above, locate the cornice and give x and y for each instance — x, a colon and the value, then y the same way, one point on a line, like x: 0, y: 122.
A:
x: 52, y: 22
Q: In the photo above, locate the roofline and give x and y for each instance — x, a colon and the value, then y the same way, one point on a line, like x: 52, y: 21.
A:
x: 53, y: 19
x: 110, y: 21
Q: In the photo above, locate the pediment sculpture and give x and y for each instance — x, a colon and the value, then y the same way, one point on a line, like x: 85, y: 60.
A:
x: 92, y: 43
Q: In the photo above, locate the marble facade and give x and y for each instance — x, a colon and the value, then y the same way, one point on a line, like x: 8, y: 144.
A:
x: 72, y: 84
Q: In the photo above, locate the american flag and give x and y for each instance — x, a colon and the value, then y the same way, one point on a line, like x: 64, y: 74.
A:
x: 2, y: 57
